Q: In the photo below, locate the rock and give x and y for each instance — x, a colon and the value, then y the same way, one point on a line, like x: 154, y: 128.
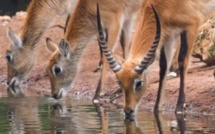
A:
x: 172, y: 75
x: 173, y: 123
x: 96, y: 101
x: 21, y: 15
x: 204, y: 48
x: 4, y: 20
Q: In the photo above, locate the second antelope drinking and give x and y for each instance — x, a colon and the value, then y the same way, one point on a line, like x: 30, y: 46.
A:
x: 82, y: 28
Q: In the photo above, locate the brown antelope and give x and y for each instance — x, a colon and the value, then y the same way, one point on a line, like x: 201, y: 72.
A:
x: 178, y: 18
x: 63, y: 65
x: 22, y: 54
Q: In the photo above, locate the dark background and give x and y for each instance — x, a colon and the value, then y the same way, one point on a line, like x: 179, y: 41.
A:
x: 10, y: 7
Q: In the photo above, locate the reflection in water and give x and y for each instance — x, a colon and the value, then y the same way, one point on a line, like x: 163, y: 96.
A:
x: 175, y: 125
x: 20, y: 114
x: 61, y: 121
x: 132, y: 128
x: 181, y: 123
x: 103, y: 117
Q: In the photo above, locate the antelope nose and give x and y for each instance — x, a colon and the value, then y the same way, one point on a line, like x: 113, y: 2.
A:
x: 56, y: 96
x: 128, y: 111
x: 129, y: 116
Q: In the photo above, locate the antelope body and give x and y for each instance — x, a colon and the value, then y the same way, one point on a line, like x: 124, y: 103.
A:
x: 117, y: 16
x: 178, y: 19
x: 22, y: 54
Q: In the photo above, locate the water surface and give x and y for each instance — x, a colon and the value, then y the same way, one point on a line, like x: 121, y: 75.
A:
x: 41, y: 115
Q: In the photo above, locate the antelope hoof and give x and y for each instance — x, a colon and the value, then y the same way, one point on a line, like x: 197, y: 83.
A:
x: 181, y: 109
x: 96, y: 98
x: 95, y: 101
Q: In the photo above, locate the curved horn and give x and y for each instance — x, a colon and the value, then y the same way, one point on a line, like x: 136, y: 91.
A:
x: 114, y: 64
x: 151, y: 53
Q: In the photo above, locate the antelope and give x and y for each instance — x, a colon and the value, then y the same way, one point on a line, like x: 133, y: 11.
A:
x: 22, y: 54
x: 178, y: 19
x: 64, y: 62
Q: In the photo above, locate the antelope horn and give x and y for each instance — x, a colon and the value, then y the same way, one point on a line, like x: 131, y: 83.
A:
x: 151, y: 53
x: 114, y: 64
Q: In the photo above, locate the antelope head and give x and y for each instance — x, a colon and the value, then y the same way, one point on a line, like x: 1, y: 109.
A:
x: 20, y: 59
x: 131, y: 77
x: 61, y: 68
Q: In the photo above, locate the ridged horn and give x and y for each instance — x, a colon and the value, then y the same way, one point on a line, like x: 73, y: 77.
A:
x: 114, y: 64
x: 151, y: 53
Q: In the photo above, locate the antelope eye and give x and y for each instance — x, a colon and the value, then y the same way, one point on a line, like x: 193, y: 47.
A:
x: 138, y: 84
x: 9, y: 57
x: 56, y: 70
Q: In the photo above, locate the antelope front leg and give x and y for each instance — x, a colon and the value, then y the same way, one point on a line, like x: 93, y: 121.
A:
x: 163, y: 71
x: 113, y: 30
x: 174, y: 65
x: 187, y: 41
x: 166, y: 55
x: 101, y: 81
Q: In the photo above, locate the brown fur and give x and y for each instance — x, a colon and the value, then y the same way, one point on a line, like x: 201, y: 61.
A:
x: 40, y: 14
x: 82, y: 29
x: 175, y: 16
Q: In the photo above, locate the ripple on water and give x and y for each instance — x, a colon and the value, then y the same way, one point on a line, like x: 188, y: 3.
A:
x: 40, y: 115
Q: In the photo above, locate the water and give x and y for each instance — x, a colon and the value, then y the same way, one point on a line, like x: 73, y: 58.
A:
x: 33, y: 115
x: 10, y: 7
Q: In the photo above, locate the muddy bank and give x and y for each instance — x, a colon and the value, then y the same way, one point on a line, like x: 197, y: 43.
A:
x: 200, y: 92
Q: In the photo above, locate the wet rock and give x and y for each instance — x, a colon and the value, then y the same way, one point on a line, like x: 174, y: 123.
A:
x: 173, y: 123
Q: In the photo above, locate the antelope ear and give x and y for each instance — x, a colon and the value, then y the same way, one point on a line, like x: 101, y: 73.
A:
x: 64, y: 48
x: 50, y: 45
x: 16, y: 40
